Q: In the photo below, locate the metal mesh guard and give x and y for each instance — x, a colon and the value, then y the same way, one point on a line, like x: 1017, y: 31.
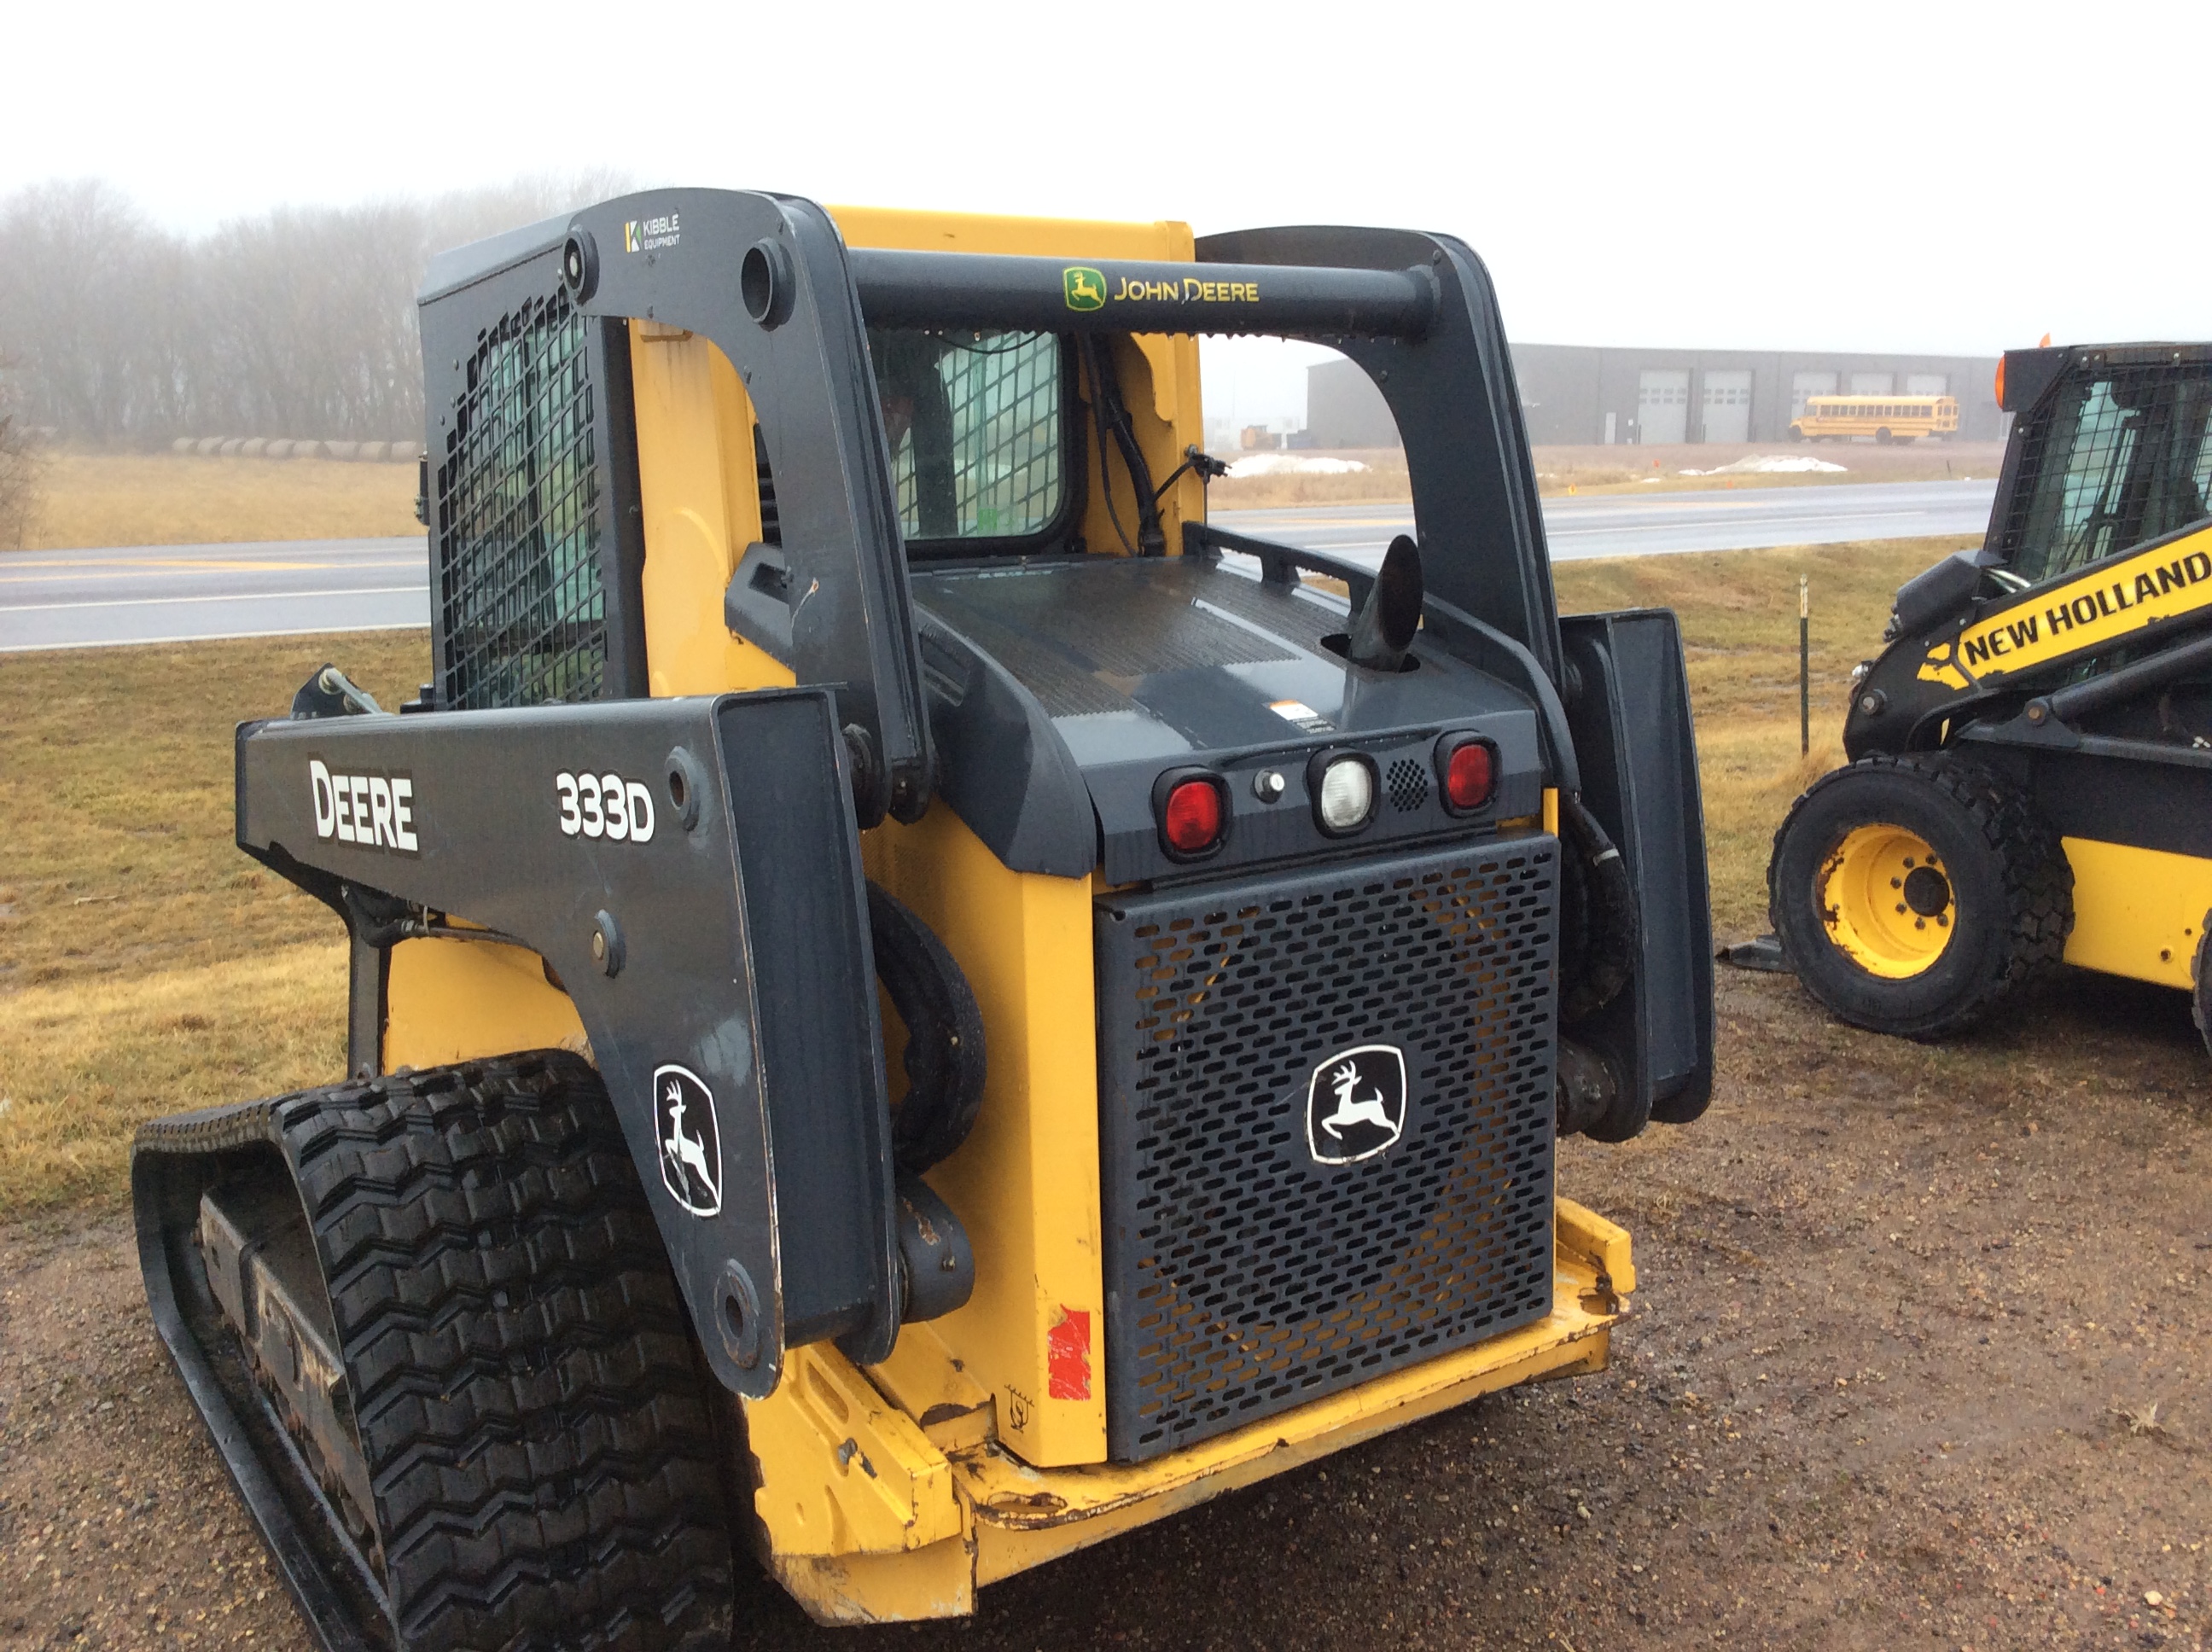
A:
x: 519, y: 583
x: 1243, y: 1277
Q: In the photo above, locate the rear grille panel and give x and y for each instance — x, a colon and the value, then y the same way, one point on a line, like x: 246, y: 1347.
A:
x: 1242, y: 1277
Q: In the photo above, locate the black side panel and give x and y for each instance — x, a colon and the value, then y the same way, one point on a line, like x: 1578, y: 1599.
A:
x: 1001, y: 764
x: 778, y: 1168
x: 2135, y: 792
x: 1639, y: 770
x: 805, y: 901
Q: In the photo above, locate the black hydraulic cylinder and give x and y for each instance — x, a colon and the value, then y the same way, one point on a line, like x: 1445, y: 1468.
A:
x: 972, y: 289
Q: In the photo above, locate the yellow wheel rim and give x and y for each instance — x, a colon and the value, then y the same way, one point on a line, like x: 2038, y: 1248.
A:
x: 1885, y: 900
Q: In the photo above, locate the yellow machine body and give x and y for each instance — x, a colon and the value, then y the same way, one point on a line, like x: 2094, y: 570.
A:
x: 979, y: 1449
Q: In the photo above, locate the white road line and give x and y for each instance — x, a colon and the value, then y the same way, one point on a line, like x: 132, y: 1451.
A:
x: 242, y: 596
x: 205, y: 636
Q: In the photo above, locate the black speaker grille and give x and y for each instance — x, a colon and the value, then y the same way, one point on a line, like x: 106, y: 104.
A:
x: 1408, y: 782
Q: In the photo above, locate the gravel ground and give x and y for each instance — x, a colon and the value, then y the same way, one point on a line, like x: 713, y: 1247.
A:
x: 1905, y: 1315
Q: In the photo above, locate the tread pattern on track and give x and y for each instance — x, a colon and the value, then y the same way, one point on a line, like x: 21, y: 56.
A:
x: 533, y: 1412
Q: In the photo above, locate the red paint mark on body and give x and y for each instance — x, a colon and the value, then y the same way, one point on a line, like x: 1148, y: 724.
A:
x: 1067, y: 1356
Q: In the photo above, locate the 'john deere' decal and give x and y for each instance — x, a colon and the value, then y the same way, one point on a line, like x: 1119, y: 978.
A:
x: 1085, y: 289
x: 2097, y: 606
x: 371, y: 811
x: 1356, y: 1104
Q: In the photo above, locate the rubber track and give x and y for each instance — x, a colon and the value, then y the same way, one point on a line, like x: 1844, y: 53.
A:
x: 532, y: 1413
x: 2038, y: 881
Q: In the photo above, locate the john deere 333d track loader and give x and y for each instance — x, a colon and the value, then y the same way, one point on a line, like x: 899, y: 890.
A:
x: 914, y: 1005
x: 2032, y: 755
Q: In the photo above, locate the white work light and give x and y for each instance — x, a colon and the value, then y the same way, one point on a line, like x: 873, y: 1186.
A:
x: 1346, y: 796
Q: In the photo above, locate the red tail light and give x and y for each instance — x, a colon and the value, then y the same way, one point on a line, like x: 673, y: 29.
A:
x: 1191, y: 816
x: 1469, y: 772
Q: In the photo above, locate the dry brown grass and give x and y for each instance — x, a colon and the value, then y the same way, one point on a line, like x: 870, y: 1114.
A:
x: 1738, y: 612
x: 173, y: 499
x: 146, y: 966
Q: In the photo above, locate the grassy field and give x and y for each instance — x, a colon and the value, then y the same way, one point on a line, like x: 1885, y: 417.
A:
x: 174, y: 499
x: 146, y: 966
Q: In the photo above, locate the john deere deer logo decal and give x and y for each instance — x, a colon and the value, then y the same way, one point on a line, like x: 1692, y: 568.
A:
x: 1086, y: 288
x: 691, y: 1139
x: 1356, y: 1104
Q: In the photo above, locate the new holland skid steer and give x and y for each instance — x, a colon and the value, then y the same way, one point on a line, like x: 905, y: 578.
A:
x: 2031, y: 775
x: 915, y: 1004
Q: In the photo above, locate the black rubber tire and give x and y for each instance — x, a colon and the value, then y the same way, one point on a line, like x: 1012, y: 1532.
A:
x: 2200, y: 997
x: 2012, y: 891
x: 533, y: 1414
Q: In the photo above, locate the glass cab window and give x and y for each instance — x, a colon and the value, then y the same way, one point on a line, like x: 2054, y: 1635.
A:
x: 2118, y: 458
x: 978, y: 430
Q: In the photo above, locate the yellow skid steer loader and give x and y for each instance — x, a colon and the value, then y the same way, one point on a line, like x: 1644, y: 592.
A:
x: 915, y: 1003
x: 2031, y: 775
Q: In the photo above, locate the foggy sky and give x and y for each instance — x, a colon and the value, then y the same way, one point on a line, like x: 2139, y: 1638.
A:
x: 1913, y: 178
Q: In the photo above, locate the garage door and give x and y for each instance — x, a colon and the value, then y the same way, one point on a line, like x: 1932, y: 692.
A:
x: 1872, y: 384
x: 1927, y: 383
x: 1802, y: 384
x: 1727, y: 407
x: 1662, y: 405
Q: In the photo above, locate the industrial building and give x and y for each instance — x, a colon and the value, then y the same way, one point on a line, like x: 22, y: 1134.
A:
x: 1574, y: 394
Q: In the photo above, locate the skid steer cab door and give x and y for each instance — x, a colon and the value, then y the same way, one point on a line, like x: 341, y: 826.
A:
x: 688, y: 871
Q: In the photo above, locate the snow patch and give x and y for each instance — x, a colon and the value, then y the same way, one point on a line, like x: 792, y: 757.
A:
x: 1294, y: 465
x: 1770, y: 465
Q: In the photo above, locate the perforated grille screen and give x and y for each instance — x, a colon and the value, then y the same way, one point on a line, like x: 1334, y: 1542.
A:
x: 1243, y: 1276
x: 520, y: 594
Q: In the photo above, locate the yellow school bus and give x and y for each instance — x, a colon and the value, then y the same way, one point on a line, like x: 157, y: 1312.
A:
x: 1886, y: 418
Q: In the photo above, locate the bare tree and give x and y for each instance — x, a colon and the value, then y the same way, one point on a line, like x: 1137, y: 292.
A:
x: 299, y: 322
x: 20, y: 469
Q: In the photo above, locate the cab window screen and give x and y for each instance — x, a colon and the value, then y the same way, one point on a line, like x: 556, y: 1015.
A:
x: 2117, y: 458
x: 974, y: 421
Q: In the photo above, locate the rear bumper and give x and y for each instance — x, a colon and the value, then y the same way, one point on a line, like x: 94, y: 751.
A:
x: 1011, y: 1517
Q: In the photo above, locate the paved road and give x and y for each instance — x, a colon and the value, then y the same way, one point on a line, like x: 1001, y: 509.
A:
x: 175, y: 593
x: 170, y: 593
x: 1628, y: 524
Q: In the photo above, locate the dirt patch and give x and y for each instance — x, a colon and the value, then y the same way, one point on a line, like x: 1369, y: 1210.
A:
x: 1904, y: 1316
